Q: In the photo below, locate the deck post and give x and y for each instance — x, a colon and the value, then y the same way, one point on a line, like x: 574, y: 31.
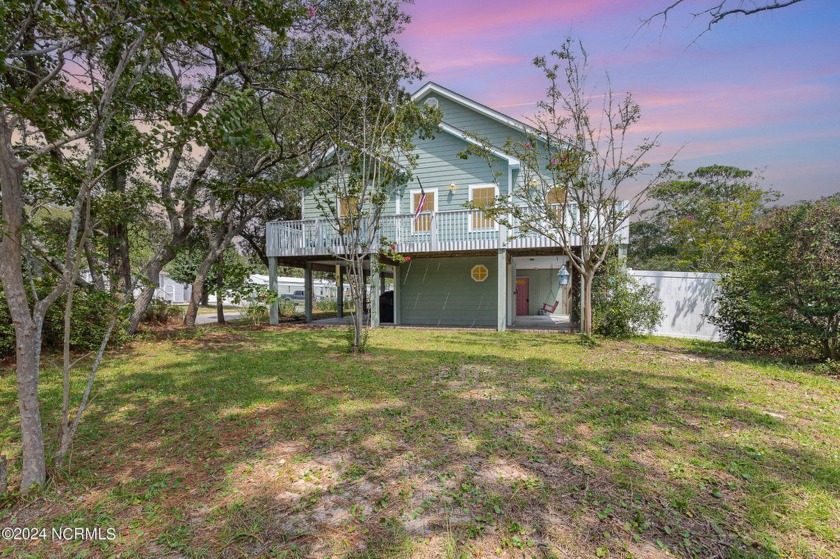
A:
x: 511, y: 301
x: 396, y: 295
x: 339, y: 294
x: 319, y: 236
x: 307, y: 292
x: 501, y: 290
x: 433, y: 232
x: 374, y: 291
x: 274, y: 310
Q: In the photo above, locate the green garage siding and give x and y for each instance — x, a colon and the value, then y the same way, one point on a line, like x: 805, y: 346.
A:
x: 440, y: 291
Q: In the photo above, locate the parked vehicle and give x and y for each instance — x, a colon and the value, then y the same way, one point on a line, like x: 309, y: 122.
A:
x: 298, y: 297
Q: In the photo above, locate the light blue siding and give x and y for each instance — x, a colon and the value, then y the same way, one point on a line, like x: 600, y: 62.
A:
x: 440, y: 291
x: 439, y: 166
x: 467, y: 120
x: 474, y: 123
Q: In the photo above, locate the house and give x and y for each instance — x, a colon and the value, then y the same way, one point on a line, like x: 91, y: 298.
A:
x: 286, y: 286
x: 464, y: 269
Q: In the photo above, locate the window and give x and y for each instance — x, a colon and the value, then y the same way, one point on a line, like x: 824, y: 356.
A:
x: 347, y: 207
x: 479, y: 272
x: 482, y: 196
x: 424, y: 222
x: 555, y: 198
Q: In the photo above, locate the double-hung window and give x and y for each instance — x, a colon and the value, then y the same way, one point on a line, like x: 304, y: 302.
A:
x: 347, y: 207
x: 423, y: 223
x: 554, y: 200
x: 482, y: 196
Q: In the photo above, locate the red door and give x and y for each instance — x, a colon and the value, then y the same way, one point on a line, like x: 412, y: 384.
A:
x: 522, y: 297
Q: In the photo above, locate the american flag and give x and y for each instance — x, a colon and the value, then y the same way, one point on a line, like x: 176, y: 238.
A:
x: 421, y: 204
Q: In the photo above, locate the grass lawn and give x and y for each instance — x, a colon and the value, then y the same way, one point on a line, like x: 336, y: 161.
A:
x: 275, y: 443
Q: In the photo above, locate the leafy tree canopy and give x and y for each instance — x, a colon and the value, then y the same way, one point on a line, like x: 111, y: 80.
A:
x: 700, y: 221
x: 785, y: 293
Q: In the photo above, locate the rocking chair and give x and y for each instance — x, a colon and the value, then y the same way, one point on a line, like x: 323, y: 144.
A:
x: 548, y: 310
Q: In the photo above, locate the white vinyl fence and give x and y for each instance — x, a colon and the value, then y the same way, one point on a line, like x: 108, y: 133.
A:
x: 687, y: 298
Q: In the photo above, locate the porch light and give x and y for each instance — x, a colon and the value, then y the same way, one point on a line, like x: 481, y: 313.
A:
x: 563, y: 276
x: 452, y: 187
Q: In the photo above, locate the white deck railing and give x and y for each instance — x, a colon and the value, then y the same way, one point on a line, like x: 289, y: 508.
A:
x: 460, y: 230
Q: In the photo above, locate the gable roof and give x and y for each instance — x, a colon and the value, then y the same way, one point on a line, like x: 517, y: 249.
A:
x: 477, y: 107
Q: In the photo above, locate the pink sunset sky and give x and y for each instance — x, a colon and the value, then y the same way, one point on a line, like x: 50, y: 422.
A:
x: 759, y: 92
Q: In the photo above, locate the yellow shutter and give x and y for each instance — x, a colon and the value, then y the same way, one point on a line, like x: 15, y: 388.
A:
x: 347, y: 207
x: 483, y: 197
x: 555, y: 196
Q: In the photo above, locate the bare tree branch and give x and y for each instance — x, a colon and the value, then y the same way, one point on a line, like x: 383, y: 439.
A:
x: 720, y: 10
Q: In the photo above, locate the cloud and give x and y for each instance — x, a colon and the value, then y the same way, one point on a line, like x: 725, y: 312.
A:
x: 471, y: 59
x: 435, y: 19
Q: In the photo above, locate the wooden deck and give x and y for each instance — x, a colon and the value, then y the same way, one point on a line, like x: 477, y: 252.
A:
x: 460, y: 231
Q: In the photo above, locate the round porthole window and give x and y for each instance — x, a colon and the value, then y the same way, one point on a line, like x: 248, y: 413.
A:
x: 432, y: 102
x: 479, y: 272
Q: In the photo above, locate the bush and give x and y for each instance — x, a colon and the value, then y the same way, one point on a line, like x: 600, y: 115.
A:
x: 90, y: 316
x: 785, y: 296
x: 327, y: 304
x: 161, y: 312
x: 621, y: 306
x: 257, y: 300
x: 286, y: 307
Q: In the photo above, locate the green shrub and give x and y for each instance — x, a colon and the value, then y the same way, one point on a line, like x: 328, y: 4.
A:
x: 161, y: 312
x: 91, y: 313
x: 327, y: 304
x: 785, y: 296
x: 257, y: 300
x: 621, y: 306
x: 286, y: 307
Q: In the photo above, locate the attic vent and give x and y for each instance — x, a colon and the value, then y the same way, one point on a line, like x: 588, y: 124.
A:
x: 432, y: 102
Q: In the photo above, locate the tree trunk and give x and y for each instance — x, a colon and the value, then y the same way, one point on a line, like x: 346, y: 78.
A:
x: 199, y: 294
x: 3, y: 475
x: 27, y: 324
x: 34, y: 471
x: 153, y: 270
x: 69, y: 429
x: 586, y: 319
x: 358, y: 294
x: 220, y: 303
x: 96, y: 278
x: 119, y: 264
